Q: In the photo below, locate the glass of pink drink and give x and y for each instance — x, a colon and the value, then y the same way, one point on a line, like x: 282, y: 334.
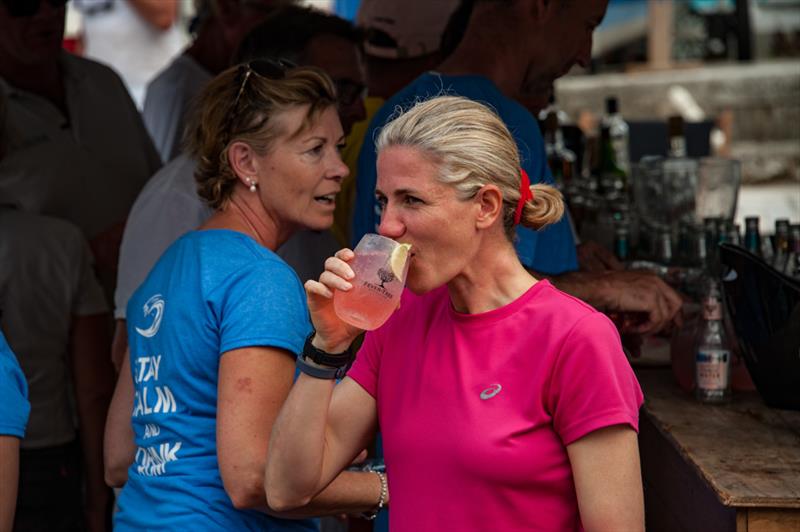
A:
x: 380, y: 268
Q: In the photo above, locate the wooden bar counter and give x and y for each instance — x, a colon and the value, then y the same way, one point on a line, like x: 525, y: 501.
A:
x: 717, y: 468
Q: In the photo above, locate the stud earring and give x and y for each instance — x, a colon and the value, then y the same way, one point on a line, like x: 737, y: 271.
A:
x: 252, y: 184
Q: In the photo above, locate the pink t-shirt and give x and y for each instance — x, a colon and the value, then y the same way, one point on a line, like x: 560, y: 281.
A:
x: 476, y: 410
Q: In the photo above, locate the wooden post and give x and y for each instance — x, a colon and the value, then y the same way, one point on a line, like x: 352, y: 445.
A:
x: 659, y: 33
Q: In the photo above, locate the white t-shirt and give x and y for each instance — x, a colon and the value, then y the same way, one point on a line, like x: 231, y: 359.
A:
x: 87, y: 167
x: 115, y: 34
x: 167, y: 102
x: 46, y: 278
x: 168, y: 207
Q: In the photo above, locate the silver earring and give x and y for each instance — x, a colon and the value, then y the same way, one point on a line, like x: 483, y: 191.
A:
x: 252, y: 184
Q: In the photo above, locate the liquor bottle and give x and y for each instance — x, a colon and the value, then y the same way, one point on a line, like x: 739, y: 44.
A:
x: 560, y: 160
x: 619, y: 134
x: 613, y: 179
x: 552, y: 106
x: 711, y: 237
x: 733, y: 234
x: 713, y: 351
x: 621, y: 244
x: 792, y: 268
x: 664, y: 247
x: 677, y: 139
x: 752, y: 236
x: 781, y: 244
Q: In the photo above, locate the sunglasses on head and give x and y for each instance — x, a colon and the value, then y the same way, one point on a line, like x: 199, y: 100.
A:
x: 273, y: 69
x: 28, y: 8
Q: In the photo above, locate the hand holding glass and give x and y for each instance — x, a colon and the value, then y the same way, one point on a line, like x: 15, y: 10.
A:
x: 380, y: 266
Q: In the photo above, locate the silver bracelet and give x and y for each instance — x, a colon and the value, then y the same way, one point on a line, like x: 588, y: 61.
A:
x: 381, y: 501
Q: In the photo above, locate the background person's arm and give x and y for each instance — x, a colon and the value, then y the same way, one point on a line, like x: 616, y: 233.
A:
x: 119, y: 447
x: 625, y: 291
x: 119, y: 344
x: 93, y: 376
x: 608, y: 480
x: 9, y: 479
x: 253, y: 385
x: 161, y: 14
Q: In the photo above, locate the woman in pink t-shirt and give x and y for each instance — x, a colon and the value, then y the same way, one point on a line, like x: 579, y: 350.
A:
x: 504, y: 403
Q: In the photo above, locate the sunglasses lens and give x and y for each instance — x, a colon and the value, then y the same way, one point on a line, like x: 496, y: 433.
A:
x: 271, y: 69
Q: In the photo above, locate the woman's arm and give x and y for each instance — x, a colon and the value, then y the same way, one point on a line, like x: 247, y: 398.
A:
x: 608, y: 481
x: 119, y: 447
x: 161, y: 14
x: 9, y: 479
x: 318, y: 433
x: 253, y: 385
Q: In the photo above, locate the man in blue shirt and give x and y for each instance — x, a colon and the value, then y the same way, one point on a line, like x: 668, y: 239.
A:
x: 513, y: 50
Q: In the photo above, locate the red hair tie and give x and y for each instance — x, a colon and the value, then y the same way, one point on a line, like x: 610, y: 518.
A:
x: 525, y: 195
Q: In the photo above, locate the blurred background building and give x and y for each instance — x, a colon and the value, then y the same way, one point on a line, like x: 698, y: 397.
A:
x: 734, y: 63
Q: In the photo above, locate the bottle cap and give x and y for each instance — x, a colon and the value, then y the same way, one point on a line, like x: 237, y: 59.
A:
x: 675, y: 124
x: 612, y: 105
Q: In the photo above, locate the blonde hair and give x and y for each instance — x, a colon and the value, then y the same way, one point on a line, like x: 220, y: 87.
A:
x: 240, y: 107
x: 472, y: 147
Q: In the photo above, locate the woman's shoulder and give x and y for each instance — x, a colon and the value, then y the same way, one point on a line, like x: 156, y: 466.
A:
x: 564, y: 313
x: 223, y: 256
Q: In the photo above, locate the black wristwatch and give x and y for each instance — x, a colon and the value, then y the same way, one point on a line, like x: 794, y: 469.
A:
x: 337, y: 365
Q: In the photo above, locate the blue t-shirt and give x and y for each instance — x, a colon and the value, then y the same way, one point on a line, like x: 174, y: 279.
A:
x: 550, y: 250
x: 14, y: 405
x: 211, y: 292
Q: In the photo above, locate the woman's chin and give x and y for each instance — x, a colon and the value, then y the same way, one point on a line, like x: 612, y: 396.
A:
x: 318, y: 223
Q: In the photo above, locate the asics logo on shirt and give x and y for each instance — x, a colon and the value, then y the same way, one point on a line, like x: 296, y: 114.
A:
x: 491, y: 391
x: 153, y: 305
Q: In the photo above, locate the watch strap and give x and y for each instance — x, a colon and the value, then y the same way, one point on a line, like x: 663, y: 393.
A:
x: 321, y: 373
x: 326, y: 359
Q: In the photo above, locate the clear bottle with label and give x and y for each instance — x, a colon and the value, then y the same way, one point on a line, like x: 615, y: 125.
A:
x: 713, y: 351
x: 781, y: 244
x: 677, y: 139
x: 618, y: 133
x: 792, y: 268
x: 560, y: 159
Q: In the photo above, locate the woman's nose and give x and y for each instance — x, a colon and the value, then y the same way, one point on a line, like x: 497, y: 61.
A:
x: 391, y: 226
x: 338, y: 170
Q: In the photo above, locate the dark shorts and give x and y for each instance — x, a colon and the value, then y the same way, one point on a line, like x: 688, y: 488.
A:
x: 50, y: 490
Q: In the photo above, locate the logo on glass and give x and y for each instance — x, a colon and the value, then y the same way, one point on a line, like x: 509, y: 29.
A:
x: 385, y: 275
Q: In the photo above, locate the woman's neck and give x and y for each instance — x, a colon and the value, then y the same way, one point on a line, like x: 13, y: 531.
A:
x: 245, y: 213
x: 493, y: 279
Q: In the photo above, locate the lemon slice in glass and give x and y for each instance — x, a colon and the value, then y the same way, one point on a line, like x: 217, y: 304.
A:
x: 398, y: 258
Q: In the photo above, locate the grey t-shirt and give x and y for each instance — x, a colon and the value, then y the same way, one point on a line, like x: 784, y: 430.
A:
x: 46, y: 279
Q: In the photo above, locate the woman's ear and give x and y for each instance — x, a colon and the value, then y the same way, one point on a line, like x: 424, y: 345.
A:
x: 489, y: 202
x: 242, y: 161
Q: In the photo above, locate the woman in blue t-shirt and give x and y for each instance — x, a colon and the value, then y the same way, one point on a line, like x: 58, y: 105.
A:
x: 14, y: 410
x: 215, y: 327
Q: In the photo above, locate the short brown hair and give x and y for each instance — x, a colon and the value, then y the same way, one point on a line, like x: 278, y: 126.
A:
x: 241, y: 106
